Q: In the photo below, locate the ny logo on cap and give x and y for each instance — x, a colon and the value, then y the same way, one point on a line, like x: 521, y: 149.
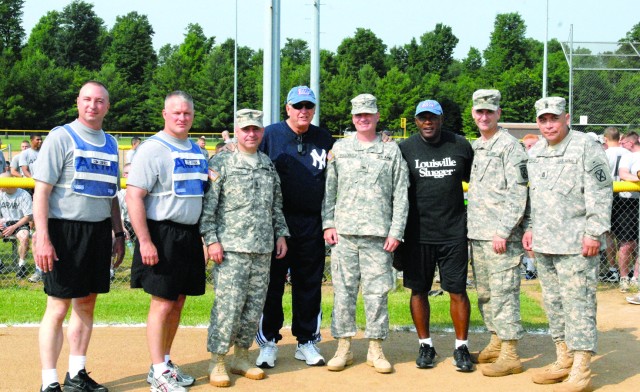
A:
x: 304, y: 91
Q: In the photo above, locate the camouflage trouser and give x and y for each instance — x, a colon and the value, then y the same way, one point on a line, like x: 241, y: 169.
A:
x: 569, y: 291
x: 240, y: 285
x: 497, y: 279
x: 355, y: 260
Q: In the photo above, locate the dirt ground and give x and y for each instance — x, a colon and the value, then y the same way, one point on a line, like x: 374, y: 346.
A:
x: 118, y: 358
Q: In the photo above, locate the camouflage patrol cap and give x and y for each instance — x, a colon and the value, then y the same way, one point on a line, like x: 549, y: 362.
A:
x: 486, y: 99
x: 248, y: 117
x: 364, y: 103
x: 555, y: 105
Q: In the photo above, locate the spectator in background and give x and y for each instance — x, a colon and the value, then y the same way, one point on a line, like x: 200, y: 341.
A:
x: 529, y: 258
x: 3, y: 164
x: 226, y: 137
x: 16, y: 170
x: 529, y: 140
x: 128, y: 156
x: 16, y: 213
x: 619, y: 210
x: 29, y: 156
x: 202, y: 143
x: 625, y: 226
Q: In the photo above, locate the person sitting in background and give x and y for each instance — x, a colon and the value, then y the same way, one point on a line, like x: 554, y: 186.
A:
x: 16, y: 213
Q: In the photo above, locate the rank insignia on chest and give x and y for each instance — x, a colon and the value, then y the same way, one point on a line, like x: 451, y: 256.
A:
x: 214, y: 175
x: 543, y: 174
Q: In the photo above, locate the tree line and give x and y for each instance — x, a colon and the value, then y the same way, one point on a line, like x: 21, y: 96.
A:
x: 41, y: 74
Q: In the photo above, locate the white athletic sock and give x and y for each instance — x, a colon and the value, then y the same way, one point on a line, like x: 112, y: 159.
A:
x: 167, y: 358
x: 76, y: 363
x: 426, y: 341
x: 529, y: 264
x: 49, y: 376
x: 158, y: 369
x: 21, y: 262
x: 461, y: 342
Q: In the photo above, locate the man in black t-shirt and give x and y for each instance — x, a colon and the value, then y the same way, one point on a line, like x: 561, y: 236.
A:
x: 436, y: 233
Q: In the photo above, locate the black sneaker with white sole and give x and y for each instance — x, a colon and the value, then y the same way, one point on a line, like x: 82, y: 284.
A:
x: 462, y: 359
x: 54, y: 387
x: 426, y: 357
x: 82, y: 383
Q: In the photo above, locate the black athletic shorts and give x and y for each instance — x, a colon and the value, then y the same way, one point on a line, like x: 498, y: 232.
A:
x: 84, y: 258
x: 624, y: 218
x: 420, y: 261
x: 181, y: 267
x: 23, y: 227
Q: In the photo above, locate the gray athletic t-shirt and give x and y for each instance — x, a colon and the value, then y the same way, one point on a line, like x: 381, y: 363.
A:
x: 28, y: 158
x: 152, y: 171
x: 15, y: 163
x: 15, y: 206
x: 55, y: 166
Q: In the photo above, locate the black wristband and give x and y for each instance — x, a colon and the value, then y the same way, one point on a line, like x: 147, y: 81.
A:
x: 119, y: 234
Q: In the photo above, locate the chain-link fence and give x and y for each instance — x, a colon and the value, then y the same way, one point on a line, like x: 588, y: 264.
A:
x: 619, y: 263
x: 604, y: 84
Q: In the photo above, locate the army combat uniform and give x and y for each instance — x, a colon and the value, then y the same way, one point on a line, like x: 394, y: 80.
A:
x: 497, y: 199
x: 570, y: 198
x: 243, y: 212
x: 366, y: 202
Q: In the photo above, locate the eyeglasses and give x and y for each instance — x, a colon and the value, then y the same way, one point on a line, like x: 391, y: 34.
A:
x: 302, y: 147
x: 303, y: 104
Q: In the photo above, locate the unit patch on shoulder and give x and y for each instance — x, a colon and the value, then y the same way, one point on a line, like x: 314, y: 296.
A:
x: 214, y: 175
x: 330, y: 155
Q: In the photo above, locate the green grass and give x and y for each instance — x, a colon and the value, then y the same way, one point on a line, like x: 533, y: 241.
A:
x: 22, y: 303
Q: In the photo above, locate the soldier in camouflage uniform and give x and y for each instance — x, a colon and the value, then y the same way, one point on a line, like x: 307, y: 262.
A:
x: 569, y: 210
x: 242, y: 214
x: 363, y: 216
x: 497, y: 199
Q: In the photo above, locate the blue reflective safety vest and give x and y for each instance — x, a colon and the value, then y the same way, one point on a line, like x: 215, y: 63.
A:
x: 95, y: 167
x: 190, y: 168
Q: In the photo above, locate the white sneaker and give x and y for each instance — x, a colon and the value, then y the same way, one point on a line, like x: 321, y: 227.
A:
x: 268, y: 355
x: 634, y: 300
x: 624, y: 284
x: 166, y: 383
x: 309, y: 353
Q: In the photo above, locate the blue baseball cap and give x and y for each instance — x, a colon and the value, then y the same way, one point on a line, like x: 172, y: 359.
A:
x: 429, y: 106
x: 299, y: 94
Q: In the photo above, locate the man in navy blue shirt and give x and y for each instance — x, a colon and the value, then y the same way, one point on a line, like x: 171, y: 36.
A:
x: 298, y: 150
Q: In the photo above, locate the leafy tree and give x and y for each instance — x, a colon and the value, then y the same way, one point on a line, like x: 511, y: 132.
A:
x: 82, y: 36
x: 396, y: 98
x: 11, y: 31
x: 436, y: 48
x: 473, y: 62
x: 45, y: 37
x: 295, y: 51
x: 363, y: 48
x: 507, y: 46
x: 131, y: 48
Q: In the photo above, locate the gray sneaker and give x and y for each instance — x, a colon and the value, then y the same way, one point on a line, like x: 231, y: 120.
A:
x: 36, y: 277
x: 166, y: 383
x: 182, y: 379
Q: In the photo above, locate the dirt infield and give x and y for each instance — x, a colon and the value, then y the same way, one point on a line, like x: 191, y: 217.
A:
x: 118, y: 358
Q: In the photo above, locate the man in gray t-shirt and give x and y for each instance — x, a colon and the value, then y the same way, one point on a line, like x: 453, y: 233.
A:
x: 75, y: 210
x: 164, y: 198
x: 29, y: 156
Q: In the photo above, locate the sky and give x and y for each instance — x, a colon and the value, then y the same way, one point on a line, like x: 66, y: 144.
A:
x: 396, y: 22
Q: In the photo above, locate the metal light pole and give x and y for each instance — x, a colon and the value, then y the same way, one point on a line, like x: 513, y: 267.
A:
x: 315, y: 60
x: 544, y: 60
x: 235, y: 73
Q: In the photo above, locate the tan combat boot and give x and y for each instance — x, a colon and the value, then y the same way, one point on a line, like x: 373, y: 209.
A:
x: 375, y: 357
x: 507, y: 363
x: 557, y: 371
x: 218, y: 376
x: 580, y: 377
x: 242, y: 366
x: 490, y: 353
x: 343, y: 356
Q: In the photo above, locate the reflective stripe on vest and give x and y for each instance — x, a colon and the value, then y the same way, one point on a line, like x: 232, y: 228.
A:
x: 189, y: 176
x: 95, y: 167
